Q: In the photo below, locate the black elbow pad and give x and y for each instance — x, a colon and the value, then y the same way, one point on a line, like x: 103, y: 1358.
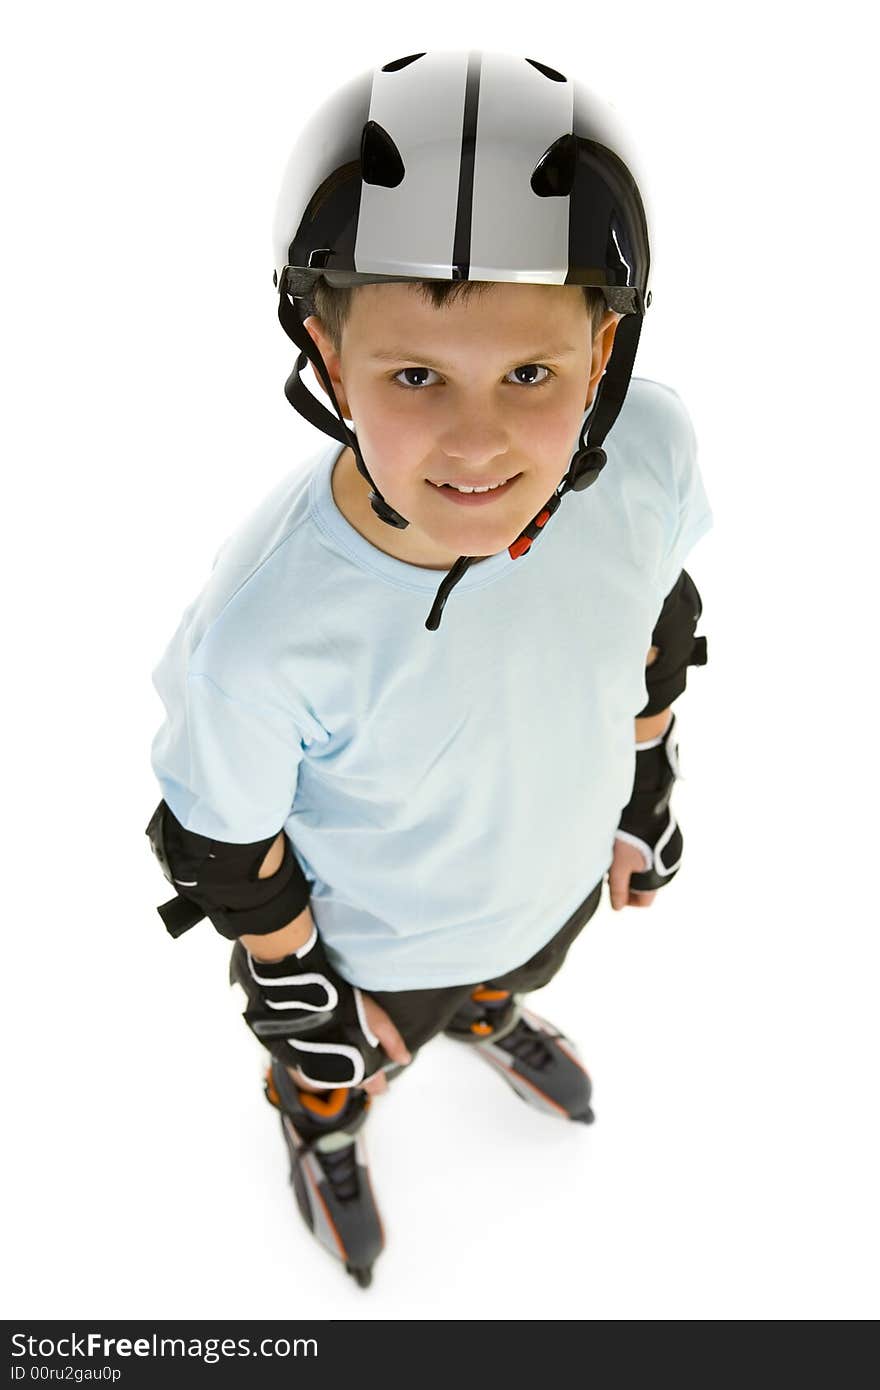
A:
x: 218, y: 880
x: 678, y: 648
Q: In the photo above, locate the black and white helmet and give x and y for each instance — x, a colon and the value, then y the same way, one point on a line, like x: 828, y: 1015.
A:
x: 463, y: 165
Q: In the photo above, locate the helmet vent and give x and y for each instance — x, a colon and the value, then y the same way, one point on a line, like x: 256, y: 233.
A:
x: 380, y: 158
x: 553, y: 175
x: 548, y: 72
x: 400, y: 63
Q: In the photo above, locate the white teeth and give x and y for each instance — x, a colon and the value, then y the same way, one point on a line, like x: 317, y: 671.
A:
x: 489, y: 488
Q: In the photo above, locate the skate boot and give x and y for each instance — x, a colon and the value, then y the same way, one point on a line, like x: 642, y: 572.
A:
x: 328, y: 1168
x: 536, y: 1059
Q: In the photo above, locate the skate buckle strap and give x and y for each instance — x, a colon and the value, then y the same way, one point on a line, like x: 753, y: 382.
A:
x: 478, y: 1026
x: 501, y: 1030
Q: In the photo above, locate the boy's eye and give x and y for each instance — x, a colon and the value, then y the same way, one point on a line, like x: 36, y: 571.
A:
x: 422, y: 371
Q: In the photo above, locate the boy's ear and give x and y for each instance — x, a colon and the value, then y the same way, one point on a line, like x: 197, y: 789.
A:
x: 603, y: 342
x: 315, y: 330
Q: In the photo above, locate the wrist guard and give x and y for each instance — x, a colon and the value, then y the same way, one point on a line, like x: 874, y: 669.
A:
x: 647, y: 821
x: 221, y: 881
x: 308, y: 1016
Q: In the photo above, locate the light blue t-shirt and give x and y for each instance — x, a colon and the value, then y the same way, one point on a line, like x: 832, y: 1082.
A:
x: 452, y: 796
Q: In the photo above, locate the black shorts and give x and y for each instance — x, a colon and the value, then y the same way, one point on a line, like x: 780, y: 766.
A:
x: 419, y: 1014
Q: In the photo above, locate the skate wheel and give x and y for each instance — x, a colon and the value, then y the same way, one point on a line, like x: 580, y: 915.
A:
x: 362, y: 1277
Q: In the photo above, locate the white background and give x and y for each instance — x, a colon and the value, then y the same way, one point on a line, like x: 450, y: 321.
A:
x: 729, y: 1028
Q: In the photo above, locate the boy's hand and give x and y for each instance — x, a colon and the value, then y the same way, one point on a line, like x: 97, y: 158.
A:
x: 388, y: 1036
x: 390, y: 1039
x: 627, y: 860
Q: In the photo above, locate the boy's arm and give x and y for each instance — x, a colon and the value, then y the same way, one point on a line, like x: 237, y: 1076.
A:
x: 276, y: 945
x: 646, y: 822
x: 652, y: 724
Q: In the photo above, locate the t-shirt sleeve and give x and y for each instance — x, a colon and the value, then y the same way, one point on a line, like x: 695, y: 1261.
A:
x: 690, y: 515
x: 227, y: 767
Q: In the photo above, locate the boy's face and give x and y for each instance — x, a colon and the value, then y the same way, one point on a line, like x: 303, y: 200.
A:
x: 480, y: 390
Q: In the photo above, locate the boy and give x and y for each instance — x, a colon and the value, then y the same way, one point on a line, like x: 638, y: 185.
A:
x: 462, y: 253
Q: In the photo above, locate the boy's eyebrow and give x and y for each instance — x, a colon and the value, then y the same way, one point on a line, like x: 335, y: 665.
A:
x: 398, y: 354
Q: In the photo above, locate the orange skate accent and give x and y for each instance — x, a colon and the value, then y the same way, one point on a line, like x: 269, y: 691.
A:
x: 271, y: 1093
x: 482, y: 1029
x: 479, y: 995
x: 326, y: 1109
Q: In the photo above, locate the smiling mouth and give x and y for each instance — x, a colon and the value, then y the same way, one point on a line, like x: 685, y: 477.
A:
x: 473, y: 498
x: 466, y: 489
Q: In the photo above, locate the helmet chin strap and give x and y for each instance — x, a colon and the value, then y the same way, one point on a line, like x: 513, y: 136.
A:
x: 584, y: 467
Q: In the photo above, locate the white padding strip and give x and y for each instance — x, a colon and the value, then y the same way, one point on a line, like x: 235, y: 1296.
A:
x: 330, y: 990
x: 639, y: 844
x: 362, y: 1020
x: 661, y: 845
x: 296, y: 981
x: 304, y: 950
x: 673, y: 759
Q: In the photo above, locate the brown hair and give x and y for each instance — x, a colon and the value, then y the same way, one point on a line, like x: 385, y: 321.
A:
x: 332, y: 305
